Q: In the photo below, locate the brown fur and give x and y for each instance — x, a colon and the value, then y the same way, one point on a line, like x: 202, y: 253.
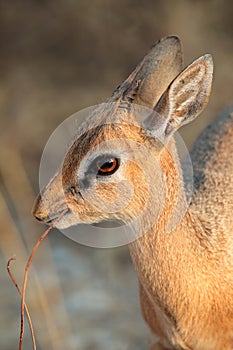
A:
x: 186, y: 275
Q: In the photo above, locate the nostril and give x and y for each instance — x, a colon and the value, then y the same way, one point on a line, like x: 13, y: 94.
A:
x: 38, y: 217
x: 36, y: 209
x: 41, y: 217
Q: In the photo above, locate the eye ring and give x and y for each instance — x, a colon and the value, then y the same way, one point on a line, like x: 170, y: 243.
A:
x: 107, y: 166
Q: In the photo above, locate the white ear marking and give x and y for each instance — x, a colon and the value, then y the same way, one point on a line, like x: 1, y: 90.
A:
x: 184, y: 99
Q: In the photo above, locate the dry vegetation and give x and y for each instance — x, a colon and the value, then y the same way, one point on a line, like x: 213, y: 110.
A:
x: 56, y: 58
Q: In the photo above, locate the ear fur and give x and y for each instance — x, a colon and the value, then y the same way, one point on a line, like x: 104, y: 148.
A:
x: 184, y: 99
x: 153, y: 74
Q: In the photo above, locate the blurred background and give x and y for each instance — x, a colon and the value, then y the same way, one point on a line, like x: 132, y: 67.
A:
x: 57, y: 57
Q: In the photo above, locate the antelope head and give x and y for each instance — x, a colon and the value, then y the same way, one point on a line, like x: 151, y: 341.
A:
x: 108, y: 170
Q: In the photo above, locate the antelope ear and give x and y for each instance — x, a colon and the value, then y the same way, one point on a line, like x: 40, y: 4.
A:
x: 183, y: 100
x: 153, y: 74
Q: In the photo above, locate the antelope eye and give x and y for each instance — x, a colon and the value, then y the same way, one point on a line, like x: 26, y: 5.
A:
x: 107, y: 166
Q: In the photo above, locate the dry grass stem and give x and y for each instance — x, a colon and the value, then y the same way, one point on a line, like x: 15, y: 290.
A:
x: 20, y: 294
x: 23, y: 292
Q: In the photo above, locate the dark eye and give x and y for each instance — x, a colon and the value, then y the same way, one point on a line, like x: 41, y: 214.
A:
x: 107, y: 166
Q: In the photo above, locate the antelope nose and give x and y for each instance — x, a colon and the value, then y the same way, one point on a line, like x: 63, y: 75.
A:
x: 38, y: 218
x: 36, y: 209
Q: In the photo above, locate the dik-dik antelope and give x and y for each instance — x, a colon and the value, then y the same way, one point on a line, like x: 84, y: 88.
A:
x: 185, y: 272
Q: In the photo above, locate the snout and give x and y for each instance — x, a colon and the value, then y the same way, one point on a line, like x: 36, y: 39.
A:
x: 49, y: 213
x: 40, y: 212
x: 51, y: 202
x: 37, y: 210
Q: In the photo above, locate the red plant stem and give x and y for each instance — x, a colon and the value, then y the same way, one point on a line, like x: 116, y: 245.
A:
x: 26, y: 308
x: 38, y: 243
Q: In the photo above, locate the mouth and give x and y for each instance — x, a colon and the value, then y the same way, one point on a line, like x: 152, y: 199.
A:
x: 60, y: 218
x: 51, y: 219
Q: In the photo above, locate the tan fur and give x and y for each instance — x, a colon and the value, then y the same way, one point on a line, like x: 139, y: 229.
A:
x: 186, y: 275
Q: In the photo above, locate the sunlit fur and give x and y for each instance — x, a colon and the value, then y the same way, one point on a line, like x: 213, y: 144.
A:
x: 185, y: 276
